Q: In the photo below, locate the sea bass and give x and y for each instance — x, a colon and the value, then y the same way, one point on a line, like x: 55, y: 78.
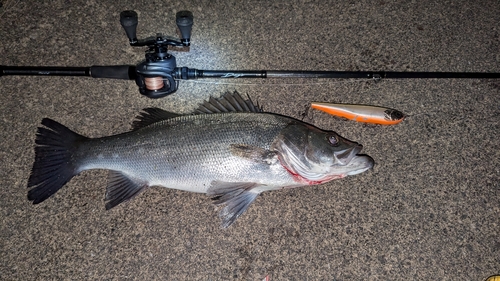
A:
x: 230, y: 149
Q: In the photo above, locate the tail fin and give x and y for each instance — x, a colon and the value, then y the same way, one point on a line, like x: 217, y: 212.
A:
x: 53, y: 166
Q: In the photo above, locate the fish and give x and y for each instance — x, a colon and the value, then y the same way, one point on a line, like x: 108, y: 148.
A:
x: 228, y: 148
x: 362, y: 113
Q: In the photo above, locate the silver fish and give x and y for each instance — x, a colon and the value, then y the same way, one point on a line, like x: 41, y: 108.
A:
x: 231, y: 150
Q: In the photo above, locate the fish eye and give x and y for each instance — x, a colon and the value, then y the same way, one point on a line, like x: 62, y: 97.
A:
x: 333, y: 140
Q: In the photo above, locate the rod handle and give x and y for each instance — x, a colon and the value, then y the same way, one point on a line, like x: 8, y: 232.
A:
x: 126, y: 72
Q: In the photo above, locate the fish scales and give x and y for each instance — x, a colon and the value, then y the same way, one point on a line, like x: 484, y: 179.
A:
x: 153, y: 153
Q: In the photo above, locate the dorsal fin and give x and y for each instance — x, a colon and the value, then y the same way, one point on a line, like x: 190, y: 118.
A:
x: 229, y: 102
x: 152, y: 115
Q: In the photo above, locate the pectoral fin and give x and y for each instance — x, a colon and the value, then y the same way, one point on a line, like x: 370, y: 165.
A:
x: 237, y: 196
x: 253, y: 153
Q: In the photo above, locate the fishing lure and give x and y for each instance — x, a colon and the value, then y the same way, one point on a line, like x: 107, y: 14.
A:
x: 362, y: 113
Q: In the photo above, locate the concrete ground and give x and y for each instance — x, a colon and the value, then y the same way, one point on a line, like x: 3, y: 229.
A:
x: 429, y: 210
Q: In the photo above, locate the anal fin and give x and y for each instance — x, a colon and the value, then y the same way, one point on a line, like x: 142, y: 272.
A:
x: 237, y: 196
x: 122, y: 188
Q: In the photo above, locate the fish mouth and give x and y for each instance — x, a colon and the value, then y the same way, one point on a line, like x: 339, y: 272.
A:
x: 345, y: 156
x: 350, y: 162
x: 359, y: 164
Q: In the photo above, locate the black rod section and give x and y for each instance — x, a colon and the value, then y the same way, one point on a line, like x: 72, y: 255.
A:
x: 318, y: 74
x: 190, y: 73
x: 379, y: 74
x: 126, y: 72
x: 473, y: 75
x: 44, y: 70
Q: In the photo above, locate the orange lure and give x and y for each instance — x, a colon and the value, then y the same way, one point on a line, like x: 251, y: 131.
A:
x: 362, y: 113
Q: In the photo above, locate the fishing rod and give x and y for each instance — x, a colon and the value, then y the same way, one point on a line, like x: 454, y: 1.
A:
x: 158, y: 75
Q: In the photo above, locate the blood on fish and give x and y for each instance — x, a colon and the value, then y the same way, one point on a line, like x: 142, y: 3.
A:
x: 300, y: 179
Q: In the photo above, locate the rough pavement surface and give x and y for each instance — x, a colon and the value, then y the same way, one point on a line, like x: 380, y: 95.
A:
x: 429, y: 210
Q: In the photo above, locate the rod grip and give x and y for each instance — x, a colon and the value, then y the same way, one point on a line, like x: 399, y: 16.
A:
x: 126, y: 72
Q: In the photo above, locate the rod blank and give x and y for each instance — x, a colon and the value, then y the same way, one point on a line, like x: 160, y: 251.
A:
x: 341, y: 74
x: 126, y: 72
x: 183, y: 73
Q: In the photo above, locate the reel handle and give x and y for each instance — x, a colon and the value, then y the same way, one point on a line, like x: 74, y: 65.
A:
x: 184, y: 21
x: 128, y: 20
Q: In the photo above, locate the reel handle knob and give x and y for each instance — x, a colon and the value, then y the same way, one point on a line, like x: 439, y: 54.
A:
x: 128, y: 20
x: 184, y: 21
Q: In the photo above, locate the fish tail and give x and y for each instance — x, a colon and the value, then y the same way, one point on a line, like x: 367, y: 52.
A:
x: 54, y: 165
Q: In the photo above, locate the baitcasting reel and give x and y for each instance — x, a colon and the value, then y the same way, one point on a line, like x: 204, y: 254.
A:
x: 155, y: 76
